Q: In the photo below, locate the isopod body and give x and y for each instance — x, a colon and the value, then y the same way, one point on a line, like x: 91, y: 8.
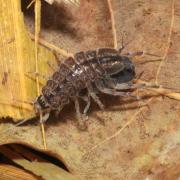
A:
x: 94, y: 71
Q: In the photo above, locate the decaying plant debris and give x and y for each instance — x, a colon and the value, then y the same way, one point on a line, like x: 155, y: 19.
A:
x: 130, y: 139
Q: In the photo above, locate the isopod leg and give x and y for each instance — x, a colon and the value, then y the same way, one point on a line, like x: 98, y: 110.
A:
x: 126, y: 86
x: 129, y: 85
x: 81, y: 121
x: 95, y: 97
x: 87, y: 99
x: 112, y: 83
x: 44, y: 117
x: 114, y: 92
x: 57, y: 112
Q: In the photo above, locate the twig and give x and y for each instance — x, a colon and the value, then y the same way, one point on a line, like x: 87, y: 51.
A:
x: 168, y: 92
x: 51, y: 46
x: 37, y: 31
x: 113, y: 24
x: 30, y: 4
x: 168, y: 42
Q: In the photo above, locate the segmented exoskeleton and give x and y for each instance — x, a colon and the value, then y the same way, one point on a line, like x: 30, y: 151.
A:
x: 103, y: 70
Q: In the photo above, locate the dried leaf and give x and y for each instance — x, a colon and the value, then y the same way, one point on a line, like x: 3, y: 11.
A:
x: 17, y: 60
x: 128, y: 140
x: 34, y: 163
x: 13, y: 173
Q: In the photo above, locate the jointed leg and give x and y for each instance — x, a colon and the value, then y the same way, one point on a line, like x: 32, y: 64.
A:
x: 87, y: 99
x: 97, y: 100
x: 115, y: 92
x: 118, y: 93
x: 111, y: 83
x: 114, y: 88
x: 44, y: 117
x: 57, y: 112
x: 95, y: 97
x: 126, y: 86
x: 80, y: 119
x: 44, y: 114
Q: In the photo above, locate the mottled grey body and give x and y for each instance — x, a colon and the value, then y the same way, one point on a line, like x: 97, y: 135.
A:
x: 103, y: 70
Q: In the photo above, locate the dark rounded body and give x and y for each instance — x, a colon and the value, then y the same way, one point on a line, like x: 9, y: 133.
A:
x: 77, y: 73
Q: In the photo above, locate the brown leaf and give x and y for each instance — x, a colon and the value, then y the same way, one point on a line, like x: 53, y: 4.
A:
x: 131, y: 139
x: 32, y: 162
x: 13, y: 173
x: 17, y: 60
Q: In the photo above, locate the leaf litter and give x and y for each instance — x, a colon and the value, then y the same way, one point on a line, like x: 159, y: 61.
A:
x: 123, y: 147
